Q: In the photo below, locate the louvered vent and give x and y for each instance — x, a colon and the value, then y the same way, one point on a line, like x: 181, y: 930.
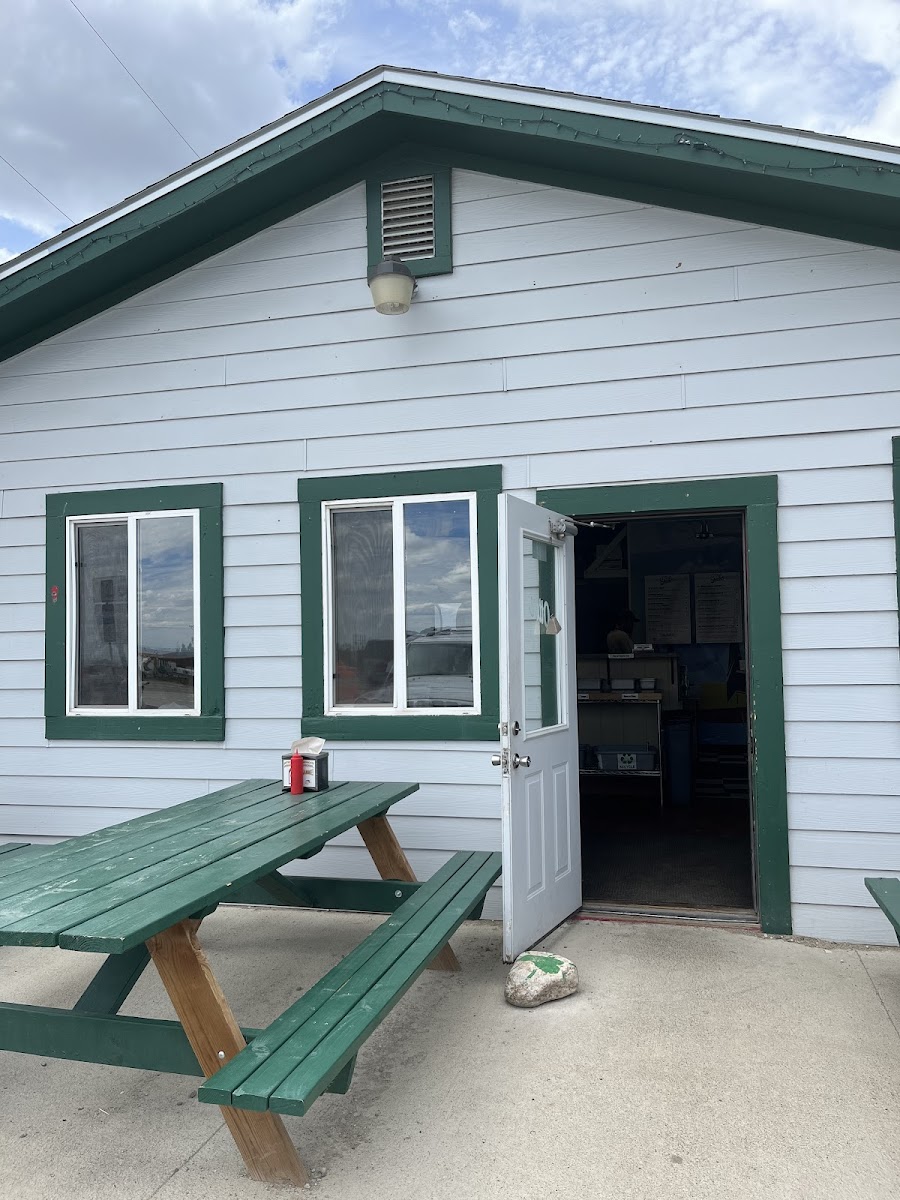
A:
x: 407, y: 217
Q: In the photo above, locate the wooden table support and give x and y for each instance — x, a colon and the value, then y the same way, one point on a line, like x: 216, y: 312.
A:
x: 388, y: 856
x: 209, y: 1023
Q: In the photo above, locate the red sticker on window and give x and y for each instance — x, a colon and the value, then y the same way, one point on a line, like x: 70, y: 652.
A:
x: 54, y: 593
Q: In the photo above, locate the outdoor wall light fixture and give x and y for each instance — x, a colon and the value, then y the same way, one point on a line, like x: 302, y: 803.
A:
x: 392, y: 286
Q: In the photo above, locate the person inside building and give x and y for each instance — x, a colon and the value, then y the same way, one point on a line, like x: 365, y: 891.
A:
x: 619, y: 639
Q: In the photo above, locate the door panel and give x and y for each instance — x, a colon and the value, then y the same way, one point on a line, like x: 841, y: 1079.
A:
x: 539, y: 734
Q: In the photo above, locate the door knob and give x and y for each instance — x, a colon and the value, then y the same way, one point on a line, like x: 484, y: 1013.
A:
x: 496, y: 760
x: 521, y: 760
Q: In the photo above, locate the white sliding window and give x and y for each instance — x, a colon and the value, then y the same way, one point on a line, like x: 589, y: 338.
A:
x: 401, y: 605
x: 133, y: 614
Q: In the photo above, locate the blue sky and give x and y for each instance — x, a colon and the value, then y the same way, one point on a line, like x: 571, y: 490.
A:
x: 81, y: 131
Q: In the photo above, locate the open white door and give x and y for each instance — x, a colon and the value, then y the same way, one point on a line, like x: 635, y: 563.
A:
x: 538, y: 723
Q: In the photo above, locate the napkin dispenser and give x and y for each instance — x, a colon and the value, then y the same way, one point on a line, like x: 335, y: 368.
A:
x: 315, y: 764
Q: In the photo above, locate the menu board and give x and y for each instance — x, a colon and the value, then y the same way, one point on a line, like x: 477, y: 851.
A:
x: 667, y: 609
x: 718, y: 610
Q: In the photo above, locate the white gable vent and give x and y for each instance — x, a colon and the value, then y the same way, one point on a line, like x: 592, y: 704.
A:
x: 407, y: 217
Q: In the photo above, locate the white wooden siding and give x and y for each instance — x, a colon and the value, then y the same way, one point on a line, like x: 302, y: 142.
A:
x: 579, y: 340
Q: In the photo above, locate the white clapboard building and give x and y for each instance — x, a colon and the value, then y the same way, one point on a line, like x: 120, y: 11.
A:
x: 595, y: 541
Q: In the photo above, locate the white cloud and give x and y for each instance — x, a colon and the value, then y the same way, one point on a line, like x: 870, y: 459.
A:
x: 74, y: 123
x: 6, y: 255
x: 78, y: 127
x: 828, y: 65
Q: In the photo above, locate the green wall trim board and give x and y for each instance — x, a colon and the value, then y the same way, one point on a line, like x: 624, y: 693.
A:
x: 209, y: 726
x: 486, y: 483
x: 757, y: 498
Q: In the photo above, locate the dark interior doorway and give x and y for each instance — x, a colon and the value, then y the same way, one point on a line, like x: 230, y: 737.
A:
x: 666, y: 809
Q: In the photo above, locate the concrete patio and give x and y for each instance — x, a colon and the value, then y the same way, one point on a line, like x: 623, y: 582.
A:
x: 694, y: 1062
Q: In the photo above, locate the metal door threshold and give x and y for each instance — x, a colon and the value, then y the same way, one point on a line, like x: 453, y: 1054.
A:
x: 723, y: 916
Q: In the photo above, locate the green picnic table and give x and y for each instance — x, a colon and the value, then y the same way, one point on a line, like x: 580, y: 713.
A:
x: 139, y: 891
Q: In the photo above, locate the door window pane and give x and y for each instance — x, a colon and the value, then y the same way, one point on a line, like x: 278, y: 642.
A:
x: 438, y: 566
x: 165, y: 574
x: 363, y: 573
x: 101, y: 662
x: 540, y: 645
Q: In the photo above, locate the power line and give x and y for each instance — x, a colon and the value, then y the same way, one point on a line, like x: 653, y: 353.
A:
x: 192, y: 149
x: 35, y: 187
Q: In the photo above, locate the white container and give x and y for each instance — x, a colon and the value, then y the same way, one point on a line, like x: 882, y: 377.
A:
x: 647, y: 685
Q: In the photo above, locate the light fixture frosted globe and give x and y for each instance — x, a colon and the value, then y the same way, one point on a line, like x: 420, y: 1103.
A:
x: 392, y: 285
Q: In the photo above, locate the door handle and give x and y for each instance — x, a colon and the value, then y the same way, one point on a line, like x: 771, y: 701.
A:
x: 521, y: 760
x: 496, y: 760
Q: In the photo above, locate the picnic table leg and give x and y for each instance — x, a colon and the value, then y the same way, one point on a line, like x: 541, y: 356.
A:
x: 209, y: 1023
x: 388, y: 856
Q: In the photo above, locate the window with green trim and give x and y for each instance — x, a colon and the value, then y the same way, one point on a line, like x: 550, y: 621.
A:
x: 408, y: 215
x: 399, y: 605
x: 134, y: 629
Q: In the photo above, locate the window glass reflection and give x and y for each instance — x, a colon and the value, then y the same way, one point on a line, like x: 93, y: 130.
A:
x: 101, y: 672
x: 437, y: 558
x: 165, y: 565
x: 541, y: 705
x: 363, y: 570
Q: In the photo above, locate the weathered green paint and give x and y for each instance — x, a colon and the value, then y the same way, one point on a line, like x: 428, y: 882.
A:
x: 147, y: 1045
x: 9, y: 847
x: 310, y: 1045
x: 210, y: 725
x: 820, y: 192
x: 895, y: 444
x: 402, y: 166
x: 111, y: 986
x: 166, y: 886
x: 486, y: 483
x: 886, y: 893
x: 44, y: 865
x: 352, y: 895
x: 757, y: 498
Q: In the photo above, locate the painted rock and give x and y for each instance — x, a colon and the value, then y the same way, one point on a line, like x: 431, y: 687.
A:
x: 535, y: 978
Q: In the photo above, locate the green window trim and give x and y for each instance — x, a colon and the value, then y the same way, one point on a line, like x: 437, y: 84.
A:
x: 397, y: 167
x: 757, y: 498
x: 486, y: 483
x: 895, y: 445
x: 209, y: 726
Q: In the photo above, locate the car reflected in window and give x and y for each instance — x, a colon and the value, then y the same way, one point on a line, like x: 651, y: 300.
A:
x: 438, y: 672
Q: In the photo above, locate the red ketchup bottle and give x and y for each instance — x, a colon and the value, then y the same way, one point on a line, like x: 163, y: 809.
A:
x: 296, y: 774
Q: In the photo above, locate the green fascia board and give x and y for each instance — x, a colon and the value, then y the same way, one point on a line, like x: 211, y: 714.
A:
x: 757, y: 498
x: 486, y: 482
x: 210, y: 725
x: 809, y: 190
x: 895, y: 443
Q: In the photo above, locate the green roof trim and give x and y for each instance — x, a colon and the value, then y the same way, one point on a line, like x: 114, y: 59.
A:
x: 811, y: 190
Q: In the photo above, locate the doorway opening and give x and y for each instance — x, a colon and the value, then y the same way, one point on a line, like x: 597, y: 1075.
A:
x: 663, y: 719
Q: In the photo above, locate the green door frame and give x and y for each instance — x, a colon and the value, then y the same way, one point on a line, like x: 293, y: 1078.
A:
x: 757, y: 498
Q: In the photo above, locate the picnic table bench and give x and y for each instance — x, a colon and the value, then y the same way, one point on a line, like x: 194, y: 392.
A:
x: 886, y: 893
x: 139, y: 891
